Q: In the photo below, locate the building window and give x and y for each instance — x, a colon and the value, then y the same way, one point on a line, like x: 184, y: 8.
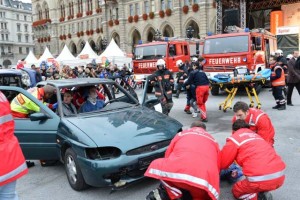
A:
x: 152, y: 5
x: 196, y: 1
x: 26, y: 38
x: 117, y: 13
x: 2, y: 37
x: 147, y: 8
x: 137, y: 9
x: 162, y: 5
x: 2, y: 50
x: 25, y: 18
x: 27, y: 50
x: 9, y: 49
x: 2, y: 26
x: 5, y: 26
x: 6, y: 36
x: 18, y: 27
x: 131, y: 10
x: 20, y: 50
x: 26, y: 27
x: 18, y: 17
x: 169, y: 4
x: 19, y: 38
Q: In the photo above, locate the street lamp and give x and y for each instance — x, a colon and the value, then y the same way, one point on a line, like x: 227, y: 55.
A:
x: 104, y: 43
x: 189, y: 32
x: 157, y: 35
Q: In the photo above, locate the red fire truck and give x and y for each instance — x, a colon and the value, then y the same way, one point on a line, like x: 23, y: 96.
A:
x: 171, y: 50
x: 237, y: 48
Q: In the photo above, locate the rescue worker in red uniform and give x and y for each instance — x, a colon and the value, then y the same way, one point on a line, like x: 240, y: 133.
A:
x: 22, y: 106
x: 258, y: 121
x: 12, y: 162
x: 199, y: 79
x: 183, y: 169
x: 278, y: 83
x: 262, y: 167
x: 163, y: 82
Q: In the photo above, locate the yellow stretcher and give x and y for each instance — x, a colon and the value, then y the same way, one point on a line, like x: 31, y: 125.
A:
x: 233, y: 86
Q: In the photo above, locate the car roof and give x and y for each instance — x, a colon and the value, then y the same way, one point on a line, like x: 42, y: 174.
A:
x: 76, y: 82
x: 10, y: 71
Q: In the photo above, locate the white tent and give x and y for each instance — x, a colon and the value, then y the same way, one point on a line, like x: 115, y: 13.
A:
x: 115, y: 55
x: 87, y: 52
x: 46, y: 55
x: 65, y: 55
x: 66, y: 58
x: 30, y: 59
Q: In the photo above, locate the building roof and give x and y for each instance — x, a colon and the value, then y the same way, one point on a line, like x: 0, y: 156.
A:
x: 18, y: 5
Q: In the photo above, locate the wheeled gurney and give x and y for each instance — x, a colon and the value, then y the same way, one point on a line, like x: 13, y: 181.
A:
x: 232, y: 84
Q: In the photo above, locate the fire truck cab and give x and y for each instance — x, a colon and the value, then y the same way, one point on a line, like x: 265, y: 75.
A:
x: 171, y: 50
x: 238, y: 48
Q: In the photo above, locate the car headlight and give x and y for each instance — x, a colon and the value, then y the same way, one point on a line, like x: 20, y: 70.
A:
x: 103, y: 153
x: 25, y: 78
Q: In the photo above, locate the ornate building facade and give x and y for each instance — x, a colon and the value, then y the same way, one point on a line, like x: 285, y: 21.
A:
x: 72, y: 22
x: 16, y: 38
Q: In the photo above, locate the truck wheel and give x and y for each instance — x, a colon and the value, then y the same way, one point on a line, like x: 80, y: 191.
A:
x: 73, y: 171
x: 215, y: 89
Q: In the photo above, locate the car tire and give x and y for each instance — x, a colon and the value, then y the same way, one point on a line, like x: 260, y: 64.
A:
x: 73, y: 171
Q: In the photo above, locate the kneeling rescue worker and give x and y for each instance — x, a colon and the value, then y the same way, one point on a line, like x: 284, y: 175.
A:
x: 262, y: 167
x: 182, y: 172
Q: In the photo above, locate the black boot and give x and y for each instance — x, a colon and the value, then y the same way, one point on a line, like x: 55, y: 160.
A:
x: 29, y: 164
x: 276, y: 107
x: 158, y: 194
x: 177, y: 94
x: 282, y: 107
x: 264, y: 196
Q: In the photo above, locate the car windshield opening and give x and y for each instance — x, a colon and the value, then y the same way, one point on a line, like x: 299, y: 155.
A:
x: 226, y: 45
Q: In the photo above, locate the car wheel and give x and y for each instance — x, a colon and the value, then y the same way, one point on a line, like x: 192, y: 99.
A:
x: 73, y: 171
x: 215, y: 89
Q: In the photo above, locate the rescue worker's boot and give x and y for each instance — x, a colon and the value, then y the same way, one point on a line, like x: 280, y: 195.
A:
x: 187, y: 109
x: 177, y: 94
x: 158, y: 194
x: 264, y: 196
x: 276, y: 107
x: 282, y: 107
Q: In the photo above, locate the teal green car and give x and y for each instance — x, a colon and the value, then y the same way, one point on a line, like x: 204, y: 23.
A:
x: 112, y: 146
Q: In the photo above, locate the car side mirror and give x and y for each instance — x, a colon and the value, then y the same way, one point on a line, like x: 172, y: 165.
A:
x: 38, y: 116
x: 151, y: 103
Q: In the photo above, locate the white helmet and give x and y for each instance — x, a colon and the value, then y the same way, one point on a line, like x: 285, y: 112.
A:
x: 290, y: 56
x: 161, y: 62
x: 272, y: 53
x: 279, y: 52
x: 179, y: 63
x: 194, y: 59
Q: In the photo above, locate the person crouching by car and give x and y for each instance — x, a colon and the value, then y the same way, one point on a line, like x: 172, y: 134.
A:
x: 163, y: 82
x: 262, y: 167
x: 182, y: 171
x: 12, y: 164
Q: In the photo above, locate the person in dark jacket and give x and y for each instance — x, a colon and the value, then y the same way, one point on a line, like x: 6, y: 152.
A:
x: 181, y: 76
x: 189, y: 94
x: 278, y: 83
x: 293, y: 78
x: 201, y: 82
x: 163, y: 82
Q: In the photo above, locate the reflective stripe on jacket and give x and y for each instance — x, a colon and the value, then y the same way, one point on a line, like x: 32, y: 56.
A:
x: 24, y: 105
x: 12, y: 162
x: 261, y: 124
x: 280, y: 81
x: 184, y: 158
x: 257, y: 158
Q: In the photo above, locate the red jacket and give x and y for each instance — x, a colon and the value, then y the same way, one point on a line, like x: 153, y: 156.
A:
x: 253, y: 154
x: 261, y: 124
x: 192, y: 158
x: 12, y: 164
